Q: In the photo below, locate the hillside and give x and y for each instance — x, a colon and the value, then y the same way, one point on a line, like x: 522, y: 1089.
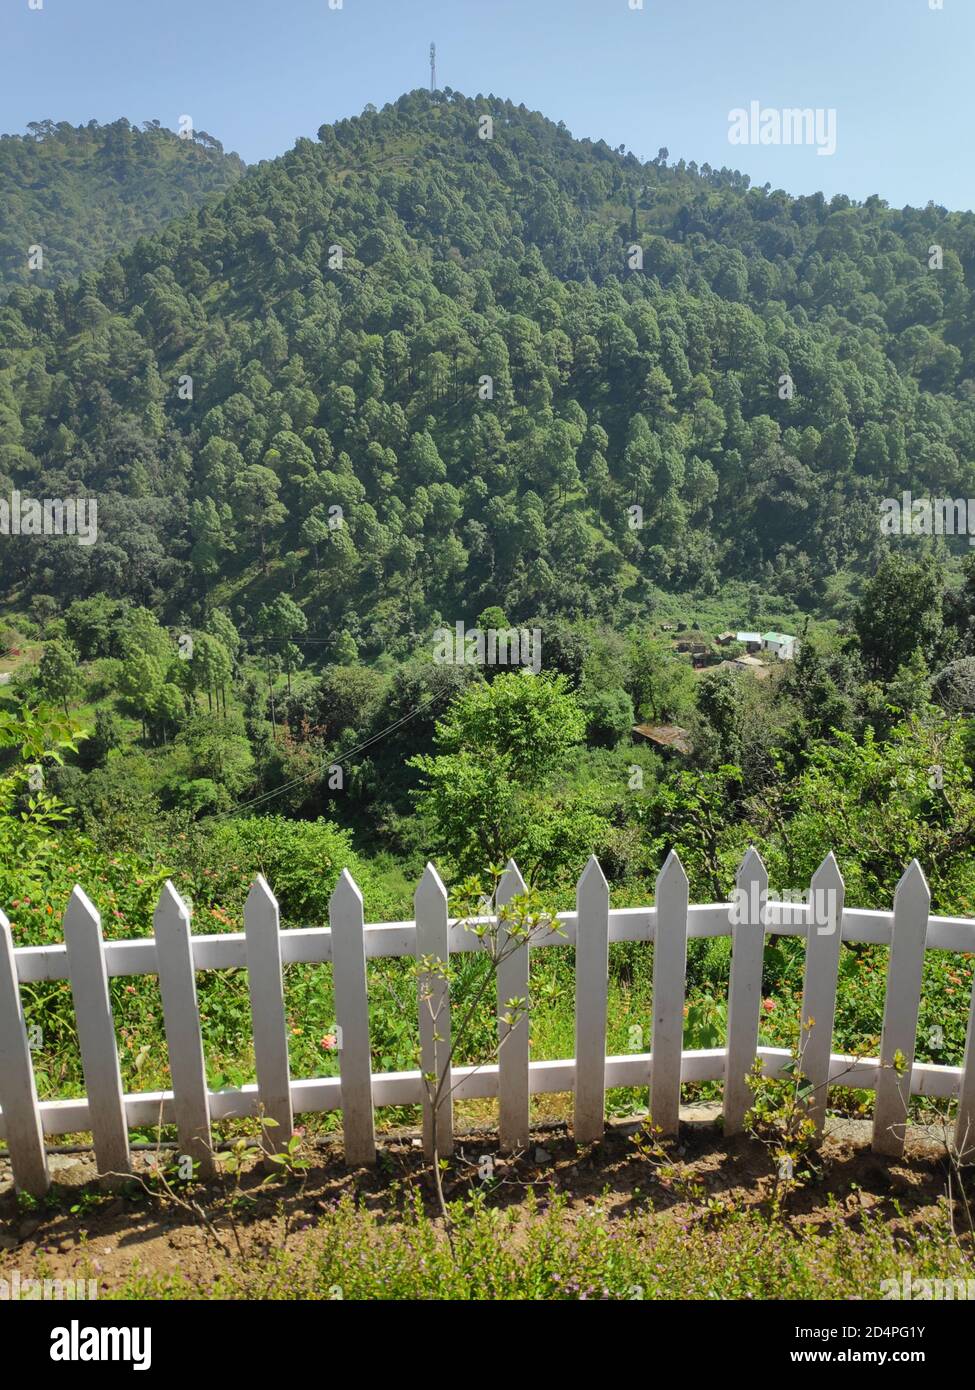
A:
x: 435, y: 339
x: 82, y: 193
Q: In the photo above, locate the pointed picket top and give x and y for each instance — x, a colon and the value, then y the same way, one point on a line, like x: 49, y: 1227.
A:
x: 430, y: 891
x: 913, y: 890
x: 345, y: 893
x: 260, y: 896
x: 828, y: 874
x: 170, y: 908
x: 752, y: 867
x: 5, y: 928
x: 592, y: 897
x: 80, y: 909
x: 592, y: 878
x: 672, y: 873
x: 825, y: 887
x: 512, y: 884
x: 752, y: 875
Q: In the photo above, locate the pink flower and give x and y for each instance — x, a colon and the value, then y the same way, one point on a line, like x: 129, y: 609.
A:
x: 328, y: 1042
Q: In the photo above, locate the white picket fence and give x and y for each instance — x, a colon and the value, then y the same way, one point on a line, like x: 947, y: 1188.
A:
x: 174, y: 954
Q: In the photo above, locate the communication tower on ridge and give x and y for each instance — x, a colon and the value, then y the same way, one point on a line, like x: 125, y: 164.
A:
x: 433, y: 67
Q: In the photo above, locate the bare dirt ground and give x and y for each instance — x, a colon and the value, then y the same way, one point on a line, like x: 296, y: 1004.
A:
x: 81, y: 1231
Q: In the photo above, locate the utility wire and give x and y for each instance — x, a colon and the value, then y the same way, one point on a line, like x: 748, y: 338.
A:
x: 264, y: 797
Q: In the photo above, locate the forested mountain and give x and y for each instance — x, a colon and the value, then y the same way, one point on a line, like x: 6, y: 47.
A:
x: 442, y: 342
x: 82, y: 193
x: 406, y: 376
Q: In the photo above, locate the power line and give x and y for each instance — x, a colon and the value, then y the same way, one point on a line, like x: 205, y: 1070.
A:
x: 264, y: 797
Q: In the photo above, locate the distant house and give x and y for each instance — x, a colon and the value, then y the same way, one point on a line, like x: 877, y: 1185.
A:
x: 752, y: 640
x: 780, y: 644
x: 667, y: 736
x: 725, y: 637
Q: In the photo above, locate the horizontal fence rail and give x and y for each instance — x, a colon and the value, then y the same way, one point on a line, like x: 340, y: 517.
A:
x: 175, y: 955
x: 313, y: 945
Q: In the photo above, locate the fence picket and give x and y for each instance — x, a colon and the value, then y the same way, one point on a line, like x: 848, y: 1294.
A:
x: 819, y: 984
x: 96, y: 1033
x: 345, y: 915
x: 181, y: 1016
x: 266, y: 986
x: 669, y: 977
x: 592, y: 986
x: 513, y: 1040
x: 745, y: 987
x: 912, y: 903
x: 87, y: 961
x: 433, y: 999
x: 18, y: 1092
x: 964, y: 1135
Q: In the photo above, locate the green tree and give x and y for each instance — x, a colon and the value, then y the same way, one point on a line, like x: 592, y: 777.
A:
x: 488, y: 793
x: 58, y: 676
x: 901, y: 611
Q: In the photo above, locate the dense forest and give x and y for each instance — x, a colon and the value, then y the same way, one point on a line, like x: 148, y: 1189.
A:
x: 440, y: 335
x: 82, y: 193
x: 433, y: 368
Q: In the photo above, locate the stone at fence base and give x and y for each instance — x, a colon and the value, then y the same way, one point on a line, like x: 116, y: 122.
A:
x: 841, y: 1128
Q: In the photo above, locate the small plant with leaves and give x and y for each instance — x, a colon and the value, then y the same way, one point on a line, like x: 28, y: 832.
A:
x: 676, y: 1176
x: 290, y: 1162
x: 781, y: 1117
x: 500, y: 929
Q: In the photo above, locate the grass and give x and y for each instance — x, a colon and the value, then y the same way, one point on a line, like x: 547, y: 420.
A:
x: 704, y: 1217
x: 547, y: 1251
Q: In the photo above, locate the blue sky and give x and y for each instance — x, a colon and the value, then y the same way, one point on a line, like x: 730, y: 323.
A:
x: 259, y: 73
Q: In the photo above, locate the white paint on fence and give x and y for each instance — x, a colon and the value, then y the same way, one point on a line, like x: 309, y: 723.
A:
x: 964, y: 1136
x: 433, y: 999
x: 513, y: 1078
x: 181, y: 1015
x: 512, y: 980
x: 263, y: 931
x: 745, y: 989
x: 352, y: 1015
x: 96, y: 1034
x: 912, y: 903
x: 18, y: 1093
x: 819, y: 983
x: 313, y: 945
x: 592, y: 985
x: 669, y: 976
x: 317, y: 1094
